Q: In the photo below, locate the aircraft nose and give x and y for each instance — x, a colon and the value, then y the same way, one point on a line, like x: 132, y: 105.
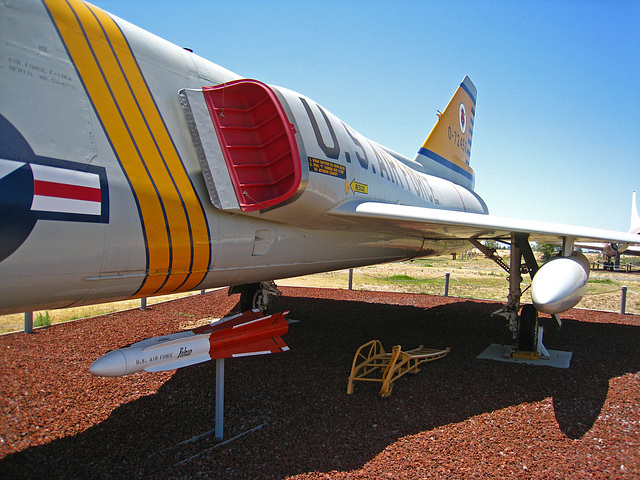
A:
x: 111, y: 364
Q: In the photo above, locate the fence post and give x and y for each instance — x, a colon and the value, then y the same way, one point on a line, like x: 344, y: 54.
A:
x: 351, y: 279
x: 446, y: 284
x: 28, y: 322
x: 623, y: 300
x: 143, y: 303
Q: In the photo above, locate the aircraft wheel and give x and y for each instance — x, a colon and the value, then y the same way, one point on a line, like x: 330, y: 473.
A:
x: 252, y: 296
x: 528, y: 330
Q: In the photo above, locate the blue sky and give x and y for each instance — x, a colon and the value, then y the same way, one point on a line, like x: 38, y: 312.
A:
x: 557, y: 126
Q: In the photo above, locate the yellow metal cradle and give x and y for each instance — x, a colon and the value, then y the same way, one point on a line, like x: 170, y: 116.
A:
x: 372, y: 364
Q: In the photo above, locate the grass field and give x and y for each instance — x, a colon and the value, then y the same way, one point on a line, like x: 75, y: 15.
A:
x: 9, y: 323
x: 474, y: 278
x: 477, y: 278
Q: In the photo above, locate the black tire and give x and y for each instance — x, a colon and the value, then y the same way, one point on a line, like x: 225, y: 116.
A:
x: 528, y: 330
x: 252, y: 297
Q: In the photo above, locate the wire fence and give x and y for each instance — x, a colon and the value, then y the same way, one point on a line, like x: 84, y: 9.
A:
x: 421, y: 280
x: 622, y: 267
x: 443, y: 283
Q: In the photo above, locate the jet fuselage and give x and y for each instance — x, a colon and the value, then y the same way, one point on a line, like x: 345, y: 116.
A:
x: 103, y: 194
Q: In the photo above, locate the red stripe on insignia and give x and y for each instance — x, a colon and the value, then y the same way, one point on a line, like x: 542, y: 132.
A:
x: 64, y: 190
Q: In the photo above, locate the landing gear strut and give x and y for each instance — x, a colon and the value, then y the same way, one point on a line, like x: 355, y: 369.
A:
x: 528, y: 329
x: 524, y: 327
x: 256, y: 295
x: 527, y: 334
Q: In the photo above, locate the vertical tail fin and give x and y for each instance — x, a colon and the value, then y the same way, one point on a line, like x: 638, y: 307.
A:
x: 447, y: 149
x: 635, y: 218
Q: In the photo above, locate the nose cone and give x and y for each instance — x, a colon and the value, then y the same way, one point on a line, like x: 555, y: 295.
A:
x: 111, y: 364
x: 560, y: 284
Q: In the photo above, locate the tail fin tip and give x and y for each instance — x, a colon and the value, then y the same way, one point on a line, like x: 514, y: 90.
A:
x: 470, y: 88
x: 635, y: 218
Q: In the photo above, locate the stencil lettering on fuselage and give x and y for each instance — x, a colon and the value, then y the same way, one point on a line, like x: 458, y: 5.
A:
x: 371, y: 158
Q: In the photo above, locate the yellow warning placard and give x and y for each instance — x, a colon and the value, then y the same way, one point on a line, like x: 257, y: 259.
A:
x: 326, y: 167
x: 359, y: 187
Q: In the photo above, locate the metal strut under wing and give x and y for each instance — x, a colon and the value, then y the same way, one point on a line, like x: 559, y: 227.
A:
x: 520, y: 248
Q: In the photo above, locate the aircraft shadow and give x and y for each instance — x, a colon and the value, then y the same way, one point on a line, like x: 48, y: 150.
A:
x: 307, y: 387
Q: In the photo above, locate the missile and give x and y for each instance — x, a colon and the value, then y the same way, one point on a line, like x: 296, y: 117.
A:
x: 244, y: 334
x: 560, y: 283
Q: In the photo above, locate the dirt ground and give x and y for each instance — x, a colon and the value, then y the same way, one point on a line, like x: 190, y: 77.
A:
x: 460, y: 417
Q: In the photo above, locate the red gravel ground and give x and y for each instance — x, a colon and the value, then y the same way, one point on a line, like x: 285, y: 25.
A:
x: 458, y: 418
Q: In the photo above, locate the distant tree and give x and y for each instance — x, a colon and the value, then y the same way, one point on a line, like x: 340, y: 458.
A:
x: 491, y: 244
x: 546, y: 250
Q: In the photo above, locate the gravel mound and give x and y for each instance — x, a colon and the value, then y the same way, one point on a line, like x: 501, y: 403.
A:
x: 458, y: 418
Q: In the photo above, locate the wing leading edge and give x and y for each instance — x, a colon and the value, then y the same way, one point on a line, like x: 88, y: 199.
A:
x: 438, y: 224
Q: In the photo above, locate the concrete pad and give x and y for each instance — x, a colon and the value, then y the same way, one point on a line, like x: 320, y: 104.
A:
x: 502, y: 353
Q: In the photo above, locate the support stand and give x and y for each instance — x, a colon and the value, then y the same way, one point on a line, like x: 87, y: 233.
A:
x: 515, y: 279
x: 219, y: 398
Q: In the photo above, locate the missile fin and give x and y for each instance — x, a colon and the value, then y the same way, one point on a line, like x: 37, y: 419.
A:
x: 229, y: 322
x: 260, y: 347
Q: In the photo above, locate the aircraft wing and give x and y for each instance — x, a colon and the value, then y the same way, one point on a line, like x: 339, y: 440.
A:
x: 437, y: 224
x: 633, y: 250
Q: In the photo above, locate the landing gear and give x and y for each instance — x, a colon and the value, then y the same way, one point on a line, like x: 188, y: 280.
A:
x: 528, y: 329
x: 525, y: 326
x: 252, y: 297
x: 527, y: 333
x: 256, y: 295
x: 520, y: 248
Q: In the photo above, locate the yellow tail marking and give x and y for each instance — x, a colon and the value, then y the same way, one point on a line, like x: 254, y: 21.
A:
x: 450, y: 139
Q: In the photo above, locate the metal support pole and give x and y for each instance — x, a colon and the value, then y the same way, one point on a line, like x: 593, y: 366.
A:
x: 514, y: 285
x: 143, y: 303
x: 219, y: 398
x: 351, y: 279
x: 623, y: 300
x: 28, y: 322
x: 446, y: 284
x: 568, y: 244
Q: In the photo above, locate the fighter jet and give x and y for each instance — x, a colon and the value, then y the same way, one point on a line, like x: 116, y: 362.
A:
x: 131, y: 167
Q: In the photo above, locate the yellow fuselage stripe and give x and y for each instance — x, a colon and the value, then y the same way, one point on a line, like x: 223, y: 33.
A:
x: 174, y: 223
